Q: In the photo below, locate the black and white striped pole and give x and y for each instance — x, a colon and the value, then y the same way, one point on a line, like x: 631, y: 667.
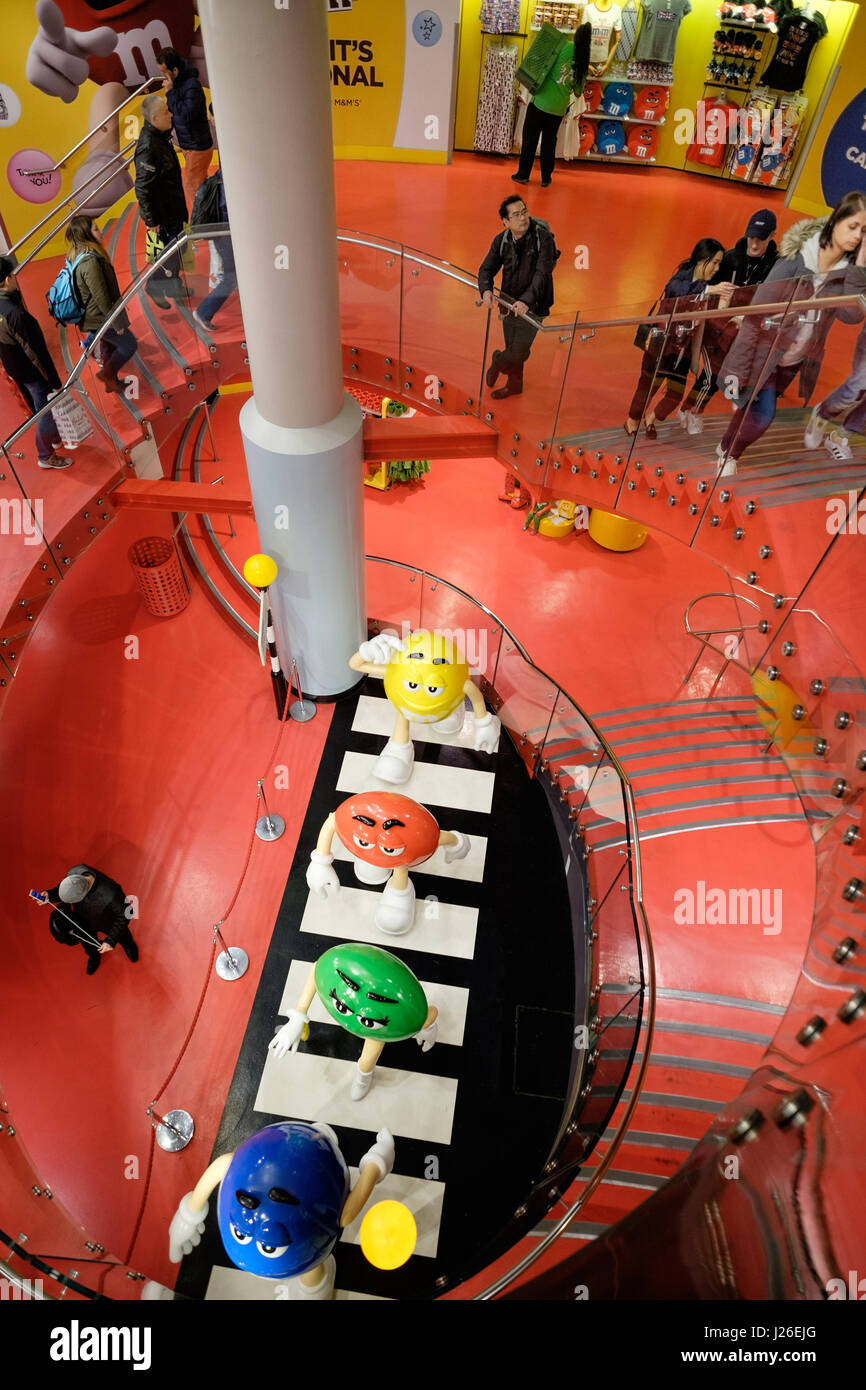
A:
x: 261, y: 571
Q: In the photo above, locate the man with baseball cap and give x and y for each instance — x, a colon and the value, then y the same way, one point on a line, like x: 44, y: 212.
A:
x: 755, y: 254
x: 92, y: 903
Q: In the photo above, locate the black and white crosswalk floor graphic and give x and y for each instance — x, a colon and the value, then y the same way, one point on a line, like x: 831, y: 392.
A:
x: 473, y: 1119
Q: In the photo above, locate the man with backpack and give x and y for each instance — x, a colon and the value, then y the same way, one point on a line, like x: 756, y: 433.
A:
x: 25, y: 356
x: 209, y: 209
x: 526, y: 254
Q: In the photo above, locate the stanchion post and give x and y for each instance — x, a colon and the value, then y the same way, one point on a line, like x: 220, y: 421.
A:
x: 300, y: 710
x: 268, y: 827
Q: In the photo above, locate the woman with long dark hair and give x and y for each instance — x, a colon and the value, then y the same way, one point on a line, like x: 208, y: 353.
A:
x: 668, y: 358
x: 98, y: 290
x: 550, y: 103
x: 822, y: 257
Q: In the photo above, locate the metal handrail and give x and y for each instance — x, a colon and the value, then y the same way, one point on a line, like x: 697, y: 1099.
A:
x: 650, y: 991
x: 138, y: 283
x: 89, y: 136
x: 77, y: 194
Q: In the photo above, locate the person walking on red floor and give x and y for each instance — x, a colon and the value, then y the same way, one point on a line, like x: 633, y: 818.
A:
x: 820, y: 258
x: 98, y: 290
x: 25, y: 356
x: 159, y: 190
x: 186, y: 101
x: 670, y: 354
x: 93, y: 904
x: 526, y: 254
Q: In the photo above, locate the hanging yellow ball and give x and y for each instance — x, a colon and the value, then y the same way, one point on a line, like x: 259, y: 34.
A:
x: 260, y: 571
x: 388, y: 1235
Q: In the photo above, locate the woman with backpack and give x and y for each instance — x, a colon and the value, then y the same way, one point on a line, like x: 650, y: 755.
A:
x: 97, y: 288
x: 669, y: 355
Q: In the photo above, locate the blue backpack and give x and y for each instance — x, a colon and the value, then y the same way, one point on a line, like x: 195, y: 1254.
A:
x: 64, y: 301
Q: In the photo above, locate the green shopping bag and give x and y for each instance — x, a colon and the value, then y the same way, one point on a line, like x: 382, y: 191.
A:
x: 540, y: 57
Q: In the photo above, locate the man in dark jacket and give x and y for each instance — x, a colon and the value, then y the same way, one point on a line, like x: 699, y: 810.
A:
x: 25, y: 356
x: 92, y: 903
x: 186, y: 102
x: 159, y: 190
x: 755, y: 254
x: 526, y: 254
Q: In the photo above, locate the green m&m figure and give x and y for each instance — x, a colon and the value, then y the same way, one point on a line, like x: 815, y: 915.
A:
x: 370, y: 993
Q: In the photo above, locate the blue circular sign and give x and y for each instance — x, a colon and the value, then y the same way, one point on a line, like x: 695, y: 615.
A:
x: 427, y: 28
x: 843, y: 166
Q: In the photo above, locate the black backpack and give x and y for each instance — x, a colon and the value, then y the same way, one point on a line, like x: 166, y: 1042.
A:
x: 206, y: 206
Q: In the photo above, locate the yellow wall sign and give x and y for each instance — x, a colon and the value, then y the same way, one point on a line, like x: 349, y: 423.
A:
x: 392, y: 72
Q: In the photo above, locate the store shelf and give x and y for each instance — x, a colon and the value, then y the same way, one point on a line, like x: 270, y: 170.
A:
x: 618, y: 158
x: 627, y: 120
x: 635, y: 81
x: 745, y: 24
x: 728, y: 86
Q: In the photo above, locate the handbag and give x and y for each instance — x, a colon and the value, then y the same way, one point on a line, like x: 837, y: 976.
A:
x: 647, y: 333
x: 154, y: 247
x: 72, y: 421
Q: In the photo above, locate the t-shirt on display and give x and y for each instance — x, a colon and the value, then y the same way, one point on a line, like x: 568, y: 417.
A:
x: 604, y: 24
x: 797, y: 37
x: 657, y: 39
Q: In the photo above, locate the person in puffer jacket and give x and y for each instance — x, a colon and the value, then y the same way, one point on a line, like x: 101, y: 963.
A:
x: 188, y: 106
x: 820, y: 258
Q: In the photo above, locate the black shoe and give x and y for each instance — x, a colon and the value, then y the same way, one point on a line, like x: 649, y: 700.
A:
x: 507, y: 390
x: 131, y: 951
x: 161, y: 303
x: 545, y: 183
x: 93, y: 964
x: 493, y: 373
x: 515, y: 178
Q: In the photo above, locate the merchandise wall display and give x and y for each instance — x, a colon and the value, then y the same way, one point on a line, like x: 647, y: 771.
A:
x: 660, y: 26
x: 799, y: 31
x: 500, y: 16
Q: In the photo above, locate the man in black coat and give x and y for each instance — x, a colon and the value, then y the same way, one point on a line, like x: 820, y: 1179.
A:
x: 526, y: 254
x: 92, y: 903
x: 159, y: 190
x: 25, y: 356
x: 186, y: 102
x: 755, y: 254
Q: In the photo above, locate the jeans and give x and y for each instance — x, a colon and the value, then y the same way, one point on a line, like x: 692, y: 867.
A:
x: 847, y: 404
x: 116, y: 348
x: 167, y: 278
x: 225, y: 287
x: 46, y: 430
x: 755, y: 418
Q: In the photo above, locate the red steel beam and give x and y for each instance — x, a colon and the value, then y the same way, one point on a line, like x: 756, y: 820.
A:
x: 164, y: 495
x: 428, y: 436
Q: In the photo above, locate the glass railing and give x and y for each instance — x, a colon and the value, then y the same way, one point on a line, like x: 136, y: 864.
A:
x: 399, y: 336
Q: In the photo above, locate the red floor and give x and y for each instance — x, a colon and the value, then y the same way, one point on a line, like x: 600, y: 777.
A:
x: 148, y: 767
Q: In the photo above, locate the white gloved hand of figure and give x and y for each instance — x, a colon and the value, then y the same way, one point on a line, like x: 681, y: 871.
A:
x: 321, y: 875
x: 381, y: 1153
x: 290, y: 1034
x: 427, y: 1037
x: 460, y: 850
x: 57, y: 61
x: 185, y: 1230
x: 379, y: 650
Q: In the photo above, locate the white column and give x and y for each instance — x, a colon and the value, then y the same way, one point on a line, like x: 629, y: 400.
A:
x: 269, y: 76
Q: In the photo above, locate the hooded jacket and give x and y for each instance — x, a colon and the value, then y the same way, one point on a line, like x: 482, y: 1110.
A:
x: 740, y: 268
x: 761, y: 343
x: 103, y: 909
x: 23, y: 350
x: 527, y: 267
x: 97, y: 285
x: 186, y: 102
x: 158, y: 184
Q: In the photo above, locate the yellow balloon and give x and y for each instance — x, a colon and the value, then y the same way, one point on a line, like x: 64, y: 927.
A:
x: 260, y: 571
x: 388, y: 1235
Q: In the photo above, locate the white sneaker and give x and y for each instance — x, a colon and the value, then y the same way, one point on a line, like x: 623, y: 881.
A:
x: 814, y: 436
x: 682, y: 417
x: 727, y: 466
x: 695, y: 422
x: 361, y: 1083
x: 396, y: 911
x: 837, y: 446
x: 395, y: 763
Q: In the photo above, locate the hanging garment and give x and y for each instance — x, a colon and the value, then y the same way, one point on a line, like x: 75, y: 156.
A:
x: 494, y: 124
x: 628, y: 21
x: 797, y: 37
x: 500, y: 16
x: 657, y: 39
x: 568, y: 144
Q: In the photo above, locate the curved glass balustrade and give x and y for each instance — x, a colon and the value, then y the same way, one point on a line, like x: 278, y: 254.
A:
x: 413, y: 325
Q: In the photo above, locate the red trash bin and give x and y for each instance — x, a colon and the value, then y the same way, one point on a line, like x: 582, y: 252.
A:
x: 160, y: 576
